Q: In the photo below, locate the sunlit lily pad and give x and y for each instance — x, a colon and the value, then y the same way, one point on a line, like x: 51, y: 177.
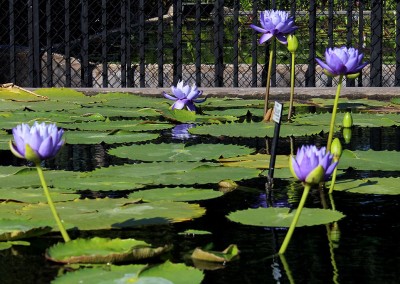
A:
x: 15, y: 229
x: 165, y: 273
x: 9, y: 244
x: 127, y: 125
x: 228, y: 254
x: 192, y: 232
x: 179, y: 152
x: 280, y: 217
x: 175, y: 194
x: 96, y: 137
x: 257, y: 161
x: 34, y: 195
x: 387, y: 185
x: 106, y: 111
x: 103, y: 250
x: 106, y: 213
x: 256, y: 129
x: 370, y: 160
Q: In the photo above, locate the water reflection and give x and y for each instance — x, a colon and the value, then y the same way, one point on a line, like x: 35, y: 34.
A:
x: 181, y: 131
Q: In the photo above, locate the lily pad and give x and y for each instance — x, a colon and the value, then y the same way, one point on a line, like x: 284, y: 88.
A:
x: 165, y: 273
x: 34, y: 195
x: 228, y: 254
x: 127, y: 125
x: 370, y: 160
x: 257, y: 161
x: 387, y: 185
x: 179, y: 152
x: 9, y: 244
x: 96, y: 137
x: 175, y: 194
x: 15, y: 229
x: 280, y: 217
x: 103, y: 250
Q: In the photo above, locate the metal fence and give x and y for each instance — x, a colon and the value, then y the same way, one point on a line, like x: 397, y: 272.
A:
x: 154, y: 43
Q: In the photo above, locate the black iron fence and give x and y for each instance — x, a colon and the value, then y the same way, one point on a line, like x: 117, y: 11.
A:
x: 155, y: 43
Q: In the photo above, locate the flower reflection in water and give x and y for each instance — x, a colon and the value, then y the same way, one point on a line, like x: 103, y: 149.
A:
x: 181, y: 131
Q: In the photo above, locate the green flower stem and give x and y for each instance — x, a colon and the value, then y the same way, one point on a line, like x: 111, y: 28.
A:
x: 333, y: 180
x: 291, y: 86
x: 333, y: 117
x: 51, y: 204
x: 295, y: 219
x: 271, y: 56
x: 287, y: 269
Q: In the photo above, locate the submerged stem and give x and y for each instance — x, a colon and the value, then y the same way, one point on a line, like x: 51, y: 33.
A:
x: 295, y: 219
x: 51, y: 204
x: 334, y: 110
x: 271, y: 56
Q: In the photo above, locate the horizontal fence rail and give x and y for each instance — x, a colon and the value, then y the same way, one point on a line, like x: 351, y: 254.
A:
x: 153, y: 43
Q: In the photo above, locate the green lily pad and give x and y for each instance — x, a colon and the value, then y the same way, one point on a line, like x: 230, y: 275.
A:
x: 228, y: 254
x: 102, y: 250
x: 175, y: 194
x: 179, y: 152
x: 127, y: 125
x: 256, y: 129
x: 107, y: 111
x: 165, y: 273
x: 15, y: 229
x: 280, y: 217
x: 192, y: 232
x: 9, y: 244
x: 96, y: 137
x: 34, y: 195
x: 388, y: 186
x: 370, y: 160
x: 257, y: 161
x: 114, y: 213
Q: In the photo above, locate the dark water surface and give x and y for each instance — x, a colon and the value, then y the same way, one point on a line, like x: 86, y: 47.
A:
x: 366, y: 249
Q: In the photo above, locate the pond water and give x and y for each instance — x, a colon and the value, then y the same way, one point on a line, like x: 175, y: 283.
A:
x: 366, y: 251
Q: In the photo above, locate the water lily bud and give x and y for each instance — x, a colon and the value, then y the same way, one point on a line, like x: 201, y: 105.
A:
x: 353, y: 76
x: 347, y: 134
x: 336, y: 149
x: 347, y: 120
x: 293, y: 43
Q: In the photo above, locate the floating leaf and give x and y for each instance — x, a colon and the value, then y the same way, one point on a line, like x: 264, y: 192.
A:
x: 179, y: 152
x: 228, y: 254
x: 257, y: 161
x: 8, y: 244
x: 102, y: 250
x: 15, y: 229
x: 387, y: 185
x: 126, y: 125
x: 195, y: 232
x: 370, y: 160
x: 175, y: 194
x: 96, y: 137
x: 280, y: 217
x: 165, y: 273
x: 34, y: 195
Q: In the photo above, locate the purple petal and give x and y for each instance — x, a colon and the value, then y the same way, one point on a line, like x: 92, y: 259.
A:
x: 179, y: 104
x: 258, y: 29
x: 169, y: 97
x: 265, y: 37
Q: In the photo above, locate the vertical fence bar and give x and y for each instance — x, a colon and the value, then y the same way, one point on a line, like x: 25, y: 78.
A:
x: 254, y: 45
x: 236, y: 39
x: 197, y: 40
x: 266, y: 55
x: 330, y: 34
x: 219, y: 43
x: 129, y: 73
x: 11, y: 21
x: 376, y: 43
x: 67, y: 43
x: 397, y: 72
x: 361, y: 42
x: 142, y: 44
x: 30, y: 45
x: 49, y: 44
x: 104, y: 48
x: 160, y: 44
x: 349, y: 35
x: 312, y: 27
x: 36, y: 46
x: 177, y: 41
x: 85, y: 68
x: 123, y: 43
x: 273, y: 70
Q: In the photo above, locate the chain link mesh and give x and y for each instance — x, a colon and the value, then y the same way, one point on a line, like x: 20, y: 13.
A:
x: 141, y: 43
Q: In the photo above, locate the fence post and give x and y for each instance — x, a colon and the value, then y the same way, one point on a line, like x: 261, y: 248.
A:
x: 376, y: 42
x: 312, y: 26
x: 34, y: 44
x: 177, y: 41
x: 218, y: 42
x: 397, y: 73
x: 12, y: 42
x: 142, y: 49
x: 160, y: 44
x: 86, y: 77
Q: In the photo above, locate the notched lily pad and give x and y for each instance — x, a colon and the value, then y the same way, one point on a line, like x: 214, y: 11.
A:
x: 103, y: 250
x: 15, y: 229
x: 280, y: 217
x: 228, y: 254
x: 175, y: 194
x: 387, y: 185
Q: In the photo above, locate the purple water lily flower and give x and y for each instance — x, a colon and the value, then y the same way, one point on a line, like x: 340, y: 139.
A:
x: 45, y: 140
x: 308, y: 158
x: 184, y: 96
x: 342, y: 61
x: 275, y: 24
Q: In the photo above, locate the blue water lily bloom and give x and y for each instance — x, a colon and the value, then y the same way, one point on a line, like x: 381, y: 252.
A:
x: 342, y: 61
x: 312, y: 165
x: 39, y: 142
x: 275, y: 23
x: 184, y: 95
